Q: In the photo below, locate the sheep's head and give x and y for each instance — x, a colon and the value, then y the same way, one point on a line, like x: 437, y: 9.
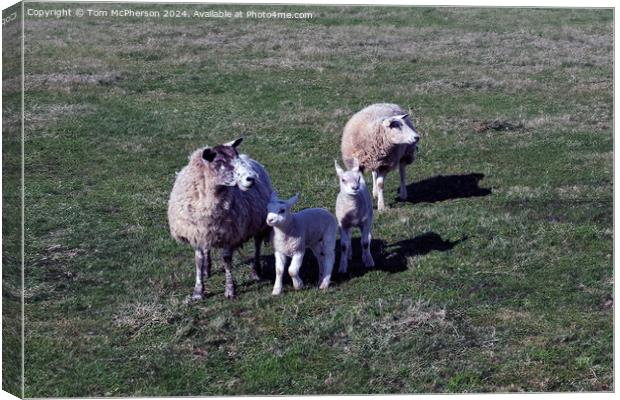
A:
x: 246, y: 176
x: 279, y: 211
x: 350, y: 181
x: 226, y: 168
x: 399, y: 129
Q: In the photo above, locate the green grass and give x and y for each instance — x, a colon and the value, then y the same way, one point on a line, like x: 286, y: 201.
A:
x: 495, y: 276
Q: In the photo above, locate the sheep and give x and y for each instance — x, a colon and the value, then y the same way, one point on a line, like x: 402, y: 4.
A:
x: 293, y: 233
x: 219, y: 200
x: 353, y: 209
x: 381, y: 137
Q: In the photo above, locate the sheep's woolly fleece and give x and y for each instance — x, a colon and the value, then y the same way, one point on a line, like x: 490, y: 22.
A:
x: 364, y: 138
x: 209, y: 216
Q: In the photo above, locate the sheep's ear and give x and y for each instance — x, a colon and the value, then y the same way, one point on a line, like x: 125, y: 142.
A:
x: 402, y: 116
x: 339, y: 170
x: 293, y: 199
x: 274, y: 196
x: 208, y: 154
x: 234, y: 143
x: 356, y: 165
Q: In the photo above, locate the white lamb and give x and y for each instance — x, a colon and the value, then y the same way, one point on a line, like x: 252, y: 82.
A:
x: 353, y: 209
x: 313, y: 228
x: 381, y: 137
x: 219, y: 200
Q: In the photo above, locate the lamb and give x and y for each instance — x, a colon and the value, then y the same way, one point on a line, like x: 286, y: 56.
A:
x: 353, y: 209
x: 313, y: 228
x: 219, y: 200
x: 381, y: 137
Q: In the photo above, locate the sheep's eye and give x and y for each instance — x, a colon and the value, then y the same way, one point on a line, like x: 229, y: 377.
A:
x: 394, y: 124
x: 343, y: 180
x: 281, y: 211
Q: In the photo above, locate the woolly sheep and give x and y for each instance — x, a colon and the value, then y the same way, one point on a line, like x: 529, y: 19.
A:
x: 353, y: 209
x: 313, y: 228
x: 381, y: 137
x: 219, y: 200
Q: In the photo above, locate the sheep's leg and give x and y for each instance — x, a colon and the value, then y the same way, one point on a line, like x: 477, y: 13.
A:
x: 403, y: 184
x: 229, y: 291
x: 350, y: 248
x: 280, y: 264
x: 375, y: 192
x: 199, y: 258
x: 293, y: 270
x: 255, y: 273
x: 380, y: 201
x: 206, y: 265
x: 345, y: 244
x: 366, y: 238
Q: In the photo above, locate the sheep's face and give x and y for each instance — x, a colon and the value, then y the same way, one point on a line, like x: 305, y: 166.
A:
x: 399, y: 130
x: 246, y: 176
x: 279, y: 211
x: 225, y: 167
x: 351, y: 182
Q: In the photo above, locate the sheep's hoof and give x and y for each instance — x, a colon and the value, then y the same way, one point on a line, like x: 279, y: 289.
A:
x: 276, y: 291
x: 369, y: 263
x: 324, y: 285
x: 196, y: 296
x: 229, y: 293
x: 254, y: 275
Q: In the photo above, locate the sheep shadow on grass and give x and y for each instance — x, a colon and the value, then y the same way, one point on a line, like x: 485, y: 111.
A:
x: 391, y: 258
x: 446, y: 187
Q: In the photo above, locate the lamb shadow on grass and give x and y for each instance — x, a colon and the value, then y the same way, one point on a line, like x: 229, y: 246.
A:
x: 391, y: 258
x: 446, y: 187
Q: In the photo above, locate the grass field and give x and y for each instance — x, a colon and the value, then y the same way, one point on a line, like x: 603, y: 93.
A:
x: 495, y: 276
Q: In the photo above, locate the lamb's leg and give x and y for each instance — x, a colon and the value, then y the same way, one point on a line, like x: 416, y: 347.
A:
x: 199, y: 286
x: 327, y: 267
x: 366, y: 238
x: 229, y: 291
x: 319, y: 254
x: 345, y: 244
x: 380, y: 201
x: 255, y: 273
x: 375, y: 192
x: 280, y: 264
x: 403, y: 184
x: 293, y: 270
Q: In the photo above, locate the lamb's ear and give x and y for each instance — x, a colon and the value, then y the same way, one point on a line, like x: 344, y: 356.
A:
x: 293, y: 199
x: 356, y: 165
x: 339, y: 170
x: 402, y: 116
x: 234, y: 143
x: 274, y: 196
x: 208, y: 154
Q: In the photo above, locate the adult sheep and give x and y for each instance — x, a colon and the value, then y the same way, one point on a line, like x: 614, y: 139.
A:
x: 219, y: 200
x: 381, y: 137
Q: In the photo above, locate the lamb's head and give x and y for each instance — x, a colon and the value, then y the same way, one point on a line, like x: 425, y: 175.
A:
x: 279, y: 211
x: 351, y: 182
x: 398, y: 131
x: 225, y: 167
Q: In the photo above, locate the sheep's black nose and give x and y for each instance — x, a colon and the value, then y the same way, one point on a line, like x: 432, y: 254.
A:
x: 250, y: 179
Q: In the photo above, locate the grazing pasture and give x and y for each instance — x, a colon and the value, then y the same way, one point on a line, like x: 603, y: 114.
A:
x: 495, y: 275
